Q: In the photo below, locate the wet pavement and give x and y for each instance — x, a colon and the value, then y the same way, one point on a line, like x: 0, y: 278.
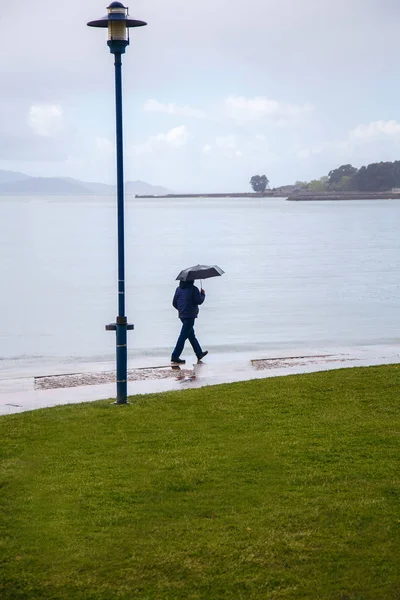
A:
x: 97, y: 382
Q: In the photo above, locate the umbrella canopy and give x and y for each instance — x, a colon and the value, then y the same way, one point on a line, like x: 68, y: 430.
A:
x: 200, y: 272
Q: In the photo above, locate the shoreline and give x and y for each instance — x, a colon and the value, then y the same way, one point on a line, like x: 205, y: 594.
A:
x: 45, y: 391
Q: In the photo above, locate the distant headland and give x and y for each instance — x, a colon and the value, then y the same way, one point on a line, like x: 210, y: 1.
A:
x: 380, y: 180
x: 13, y: 183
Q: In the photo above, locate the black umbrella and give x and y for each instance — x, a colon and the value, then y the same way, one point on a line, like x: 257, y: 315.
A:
x: 200, y: 272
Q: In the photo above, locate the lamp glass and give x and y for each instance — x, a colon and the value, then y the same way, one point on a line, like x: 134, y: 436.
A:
x: 117, y: 30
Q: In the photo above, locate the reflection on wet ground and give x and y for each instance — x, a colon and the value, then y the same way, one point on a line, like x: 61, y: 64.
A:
x: 175, y: 371
x: 79, y: 379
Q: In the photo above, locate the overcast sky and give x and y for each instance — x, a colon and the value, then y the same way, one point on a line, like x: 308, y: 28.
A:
x: 215, y: 91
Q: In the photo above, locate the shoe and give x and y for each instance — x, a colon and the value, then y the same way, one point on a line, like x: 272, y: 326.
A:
x: 202, y: 355
x: 178, y: 361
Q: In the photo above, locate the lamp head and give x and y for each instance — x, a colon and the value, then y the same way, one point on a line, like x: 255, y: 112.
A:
x: 118, y: 23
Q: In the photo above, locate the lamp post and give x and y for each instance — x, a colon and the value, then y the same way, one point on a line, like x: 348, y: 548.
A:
x: 118, y: 23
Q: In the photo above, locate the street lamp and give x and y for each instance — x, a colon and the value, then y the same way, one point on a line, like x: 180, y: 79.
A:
x: 118, y: 23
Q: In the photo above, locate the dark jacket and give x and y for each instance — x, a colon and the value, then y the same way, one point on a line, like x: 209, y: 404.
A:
x: 187, y: 299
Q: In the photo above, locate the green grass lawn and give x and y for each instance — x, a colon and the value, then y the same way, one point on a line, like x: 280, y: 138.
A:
x: 279, y: 488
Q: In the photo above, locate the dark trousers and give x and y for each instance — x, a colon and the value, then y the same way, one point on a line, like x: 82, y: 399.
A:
x: 187, y: 333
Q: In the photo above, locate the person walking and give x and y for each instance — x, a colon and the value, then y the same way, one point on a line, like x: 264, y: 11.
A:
x: 187, y: 299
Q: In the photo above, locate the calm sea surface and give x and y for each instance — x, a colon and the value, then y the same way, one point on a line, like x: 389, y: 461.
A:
x: 298, y: 274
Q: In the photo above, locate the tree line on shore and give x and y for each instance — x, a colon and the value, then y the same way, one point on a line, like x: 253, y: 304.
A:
x: 375, y: 177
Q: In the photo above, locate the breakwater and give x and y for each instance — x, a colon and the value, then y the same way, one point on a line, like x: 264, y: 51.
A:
x: 298, y: 196
x: 321, y: 196
x: 268, y: 194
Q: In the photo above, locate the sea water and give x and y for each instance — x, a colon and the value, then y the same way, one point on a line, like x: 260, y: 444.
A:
x: 297, y: 275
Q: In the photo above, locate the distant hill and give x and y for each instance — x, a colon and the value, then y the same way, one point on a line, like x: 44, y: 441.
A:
x: 19, y: 184
x: 47, y: 186
x: 9, y: 176
x: 140, y: 187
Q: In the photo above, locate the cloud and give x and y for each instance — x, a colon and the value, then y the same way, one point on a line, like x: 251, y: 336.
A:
x: 174, y: 139
x: 224, y: 145
x: 174, y: 109
x: 245, y: 110
x: 34, y: 132
x: 238, y: 108
x: 375, y: 129
x: 364, y: 144
x: 46, y: 119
